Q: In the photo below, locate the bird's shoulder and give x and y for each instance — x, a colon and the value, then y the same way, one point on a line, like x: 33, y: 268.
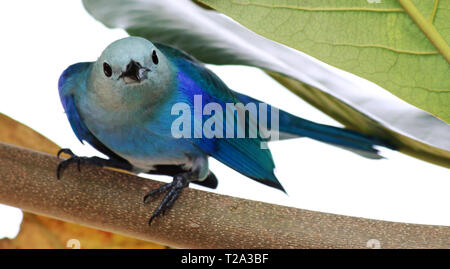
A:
x: 73, y: 78
x: 195, y: 78
x: 173, y: 53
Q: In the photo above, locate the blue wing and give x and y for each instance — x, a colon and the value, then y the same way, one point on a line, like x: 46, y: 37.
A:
x: 71, y: 80
x: 244, y: 155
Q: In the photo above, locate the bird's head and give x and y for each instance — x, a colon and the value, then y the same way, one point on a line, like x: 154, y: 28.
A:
x: 129, y: 70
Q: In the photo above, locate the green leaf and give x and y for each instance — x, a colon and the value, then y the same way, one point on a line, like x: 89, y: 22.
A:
x: 402, y: 46
x: 214, y: 38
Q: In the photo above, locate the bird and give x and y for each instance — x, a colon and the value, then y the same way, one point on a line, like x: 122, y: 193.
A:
x: 140, y: 104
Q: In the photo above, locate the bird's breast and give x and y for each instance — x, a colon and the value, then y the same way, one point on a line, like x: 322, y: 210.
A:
x: 143, y: 140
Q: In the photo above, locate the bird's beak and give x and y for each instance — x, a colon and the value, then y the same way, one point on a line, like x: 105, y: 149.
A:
x: 134, y: 73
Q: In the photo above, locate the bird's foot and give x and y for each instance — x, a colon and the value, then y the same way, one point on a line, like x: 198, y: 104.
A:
x: 75, y: 159
x: 173, y: 189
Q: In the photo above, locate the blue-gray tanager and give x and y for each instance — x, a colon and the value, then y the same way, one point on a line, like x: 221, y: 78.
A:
x: 141, y: 103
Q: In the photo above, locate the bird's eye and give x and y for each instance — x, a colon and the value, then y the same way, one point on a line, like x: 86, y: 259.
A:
x: 155, y: 57
x: 107, y: 69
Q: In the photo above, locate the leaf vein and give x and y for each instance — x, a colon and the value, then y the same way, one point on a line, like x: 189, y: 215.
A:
x: 321, y: 9
x: 433, y: 13
x: 380, y: 47
x: 427, y: 28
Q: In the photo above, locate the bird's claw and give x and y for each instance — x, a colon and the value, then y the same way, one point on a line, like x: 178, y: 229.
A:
x: 73, y: 159
x: 66, y: 151
x: 174, y: 190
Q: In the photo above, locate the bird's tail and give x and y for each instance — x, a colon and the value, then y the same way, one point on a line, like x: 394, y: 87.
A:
x: 291, y: 126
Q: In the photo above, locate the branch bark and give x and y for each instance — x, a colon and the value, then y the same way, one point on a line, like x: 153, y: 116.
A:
x: 112, y: 201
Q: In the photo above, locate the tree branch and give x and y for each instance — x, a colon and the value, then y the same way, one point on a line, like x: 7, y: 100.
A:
x: 112, y: 201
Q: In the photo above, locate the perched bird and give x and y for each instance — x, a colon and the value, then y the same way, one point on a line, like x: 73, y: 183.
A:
x: 124, y: 105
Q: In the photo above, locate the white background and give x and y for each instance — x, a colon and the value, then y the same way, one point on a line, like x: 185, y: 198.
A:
x: 41, y: 38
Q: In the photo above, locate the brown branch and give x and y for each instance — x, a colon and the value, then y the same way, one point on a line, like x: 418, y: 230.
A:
x: 112, y: 201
